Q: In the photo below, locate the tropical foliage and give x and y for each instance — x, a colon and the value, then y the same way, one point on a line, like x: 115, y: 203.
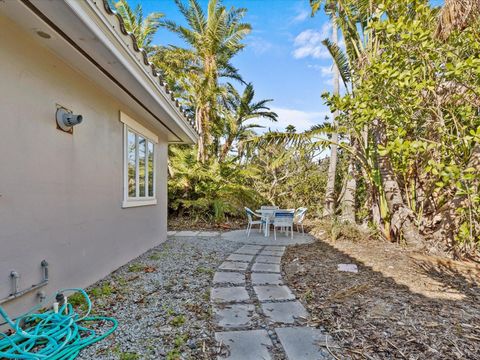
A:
x: 143, y: 28
x: 213, y: 39
x: 407, y: 126
x: 412, y: 116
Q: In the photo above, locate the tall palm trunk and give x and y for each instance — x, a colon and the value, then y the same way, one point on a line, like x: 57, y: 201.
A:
x: 401, y: 216
x: 348, y: 200
x: 201, y: 115
x: 226, y: 148
x: 329, y: 208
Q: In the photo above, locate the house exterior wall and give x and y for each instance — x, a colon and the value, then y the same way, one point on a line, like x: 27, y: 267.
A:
x: 61, y: 194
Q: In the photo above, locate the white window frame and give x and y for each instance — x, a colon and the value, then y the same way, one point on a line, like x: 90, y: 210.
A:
x: 131, y: 125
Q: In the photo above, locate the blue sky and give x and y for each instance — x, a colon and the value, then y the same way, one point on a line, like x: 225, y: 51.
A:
x: 284, y: 57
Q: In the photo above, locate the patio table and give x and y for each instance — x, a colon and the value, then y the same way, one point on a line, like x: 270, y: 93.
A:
x: 268, y: 215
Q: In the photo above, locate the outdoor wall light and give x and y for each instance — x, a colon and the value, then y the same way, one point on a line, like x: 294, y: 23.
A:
x: 66, y: 120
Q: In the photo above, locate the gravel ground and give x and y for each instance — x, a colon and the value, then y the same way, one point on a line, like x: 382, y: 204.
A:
x: 161, y: 300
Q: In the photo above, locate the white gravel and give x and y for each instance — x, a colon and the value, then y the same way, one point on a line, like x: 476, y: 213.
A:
x: 161, y: 301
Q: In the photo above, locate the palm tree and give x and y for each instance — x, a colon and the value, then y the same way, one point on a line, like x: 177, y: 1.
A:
x: 240, y: 109
x: 142, y: 28
x: 329, y: 209
x: 290, y: 129
x: 213, y: 38
x: 385, y: 191
x: 457, y: 15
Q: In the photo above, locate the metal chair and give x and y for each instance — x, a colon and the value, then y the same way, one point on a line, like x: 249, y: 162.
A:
x: 283, y: 219
x: 251, y: 221
x: 269, y: 207
x: 299, y: 217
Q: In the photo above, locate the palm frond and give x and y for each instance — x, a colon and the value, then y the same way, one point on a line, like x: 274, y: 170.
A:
x: 315, y: 5
x: 456, y: 15
x: 340, y: 59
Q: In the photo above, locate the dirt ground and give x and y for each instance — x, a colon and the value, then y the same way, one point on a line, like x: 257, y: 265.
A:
x: 400, y: 305
x: 182, y: 223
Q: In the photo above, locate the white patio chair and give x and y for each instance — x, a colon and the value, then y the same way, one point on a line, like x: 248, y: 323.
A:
x: 283, y: 219
x: 299, y: 217
x: 250, y: 216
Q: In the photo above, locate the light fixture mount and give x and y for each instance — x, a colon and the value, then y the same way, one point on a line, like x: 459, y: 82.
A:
x: 66, y: 120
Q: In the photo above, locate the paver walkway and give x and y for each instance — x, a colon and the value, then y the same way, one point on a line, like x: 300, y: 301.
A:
x: 256, y: 315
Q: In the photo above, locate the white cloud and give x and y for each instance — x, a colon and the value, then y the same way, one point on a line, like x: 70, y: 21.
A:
x: 302, y: 120
x: 325, y: 71
x: 326, y: 74
x: 301, y: 16
x: 309, y: 43
x: 259, y: 45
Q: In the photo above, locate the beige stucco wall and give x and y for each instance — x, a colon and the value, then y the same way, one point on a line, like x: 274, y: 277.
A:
x: 61, y: 195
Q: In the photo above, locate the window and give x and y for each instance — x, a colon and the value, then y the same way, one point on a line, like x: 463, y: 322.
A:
x: 139, y: 164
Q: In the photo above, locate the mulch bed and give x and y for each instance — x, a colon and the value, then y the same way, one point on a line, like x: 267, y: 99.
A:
x: 398, y: 306
x: 187, y: 223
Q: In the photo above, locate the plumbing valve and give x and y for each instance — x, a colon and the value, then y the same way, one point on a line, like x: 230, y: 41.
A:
x: 14, y: 276
x: 44, y: 265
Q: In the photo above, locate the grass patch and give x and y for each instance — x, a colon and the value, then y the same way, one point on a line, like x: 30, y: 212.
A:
x: 121, y: 281
x: 169, y: 311
x: 335, y: 229
x: 77, y: 300
x: 178, y: 342
x: 129, y: 356
x: 178, y: 320
x: 204, y: 270
x: 155, y: 256
x: 206, y: 295
x: 137, y: 267
x: 102, y: 291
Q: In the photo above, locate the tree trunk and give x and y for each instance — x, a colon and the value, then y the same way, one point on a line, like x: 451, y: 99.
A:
x: 348, y: 201
x: 225, y: 149
x: 201, y: 114
x: 329, y: 208
x: 401, y: 216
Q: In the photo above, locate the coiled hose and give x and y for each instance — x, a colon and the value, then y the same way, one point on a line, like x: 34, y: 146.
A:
x: 50, y: 335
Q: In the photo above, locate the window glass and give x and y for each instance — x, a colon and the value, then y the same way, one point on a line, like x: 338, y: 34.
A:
x: 150, y: 168
x: 131, y: 164
x: 140, y: 167
x: 142, y: 142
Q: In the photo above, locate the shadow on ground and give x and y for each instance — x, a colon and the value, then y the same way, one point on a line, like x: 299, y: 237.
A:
x: 395, y: 307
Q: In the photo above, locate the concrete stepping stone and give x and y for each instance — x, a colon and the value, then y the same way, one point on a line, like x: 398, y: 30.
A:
x: 171, y: 233
x: 275, y: 248
x: 274, y: 268
x: 302, y: 343
x: 229, y: 294
x: 266, y: 279
x: 187, y: 233
x: 268, y: 259
x: 240, y: 257
x: 245, y: 345
x: 233, y: 265
x: 208, y: 233
x: 272, y: 252
x: 284, y: 312
x: 247, y: 251
x: 236, y: 278
x: 234, y: 316
x: 273, y: 293
x: 250, y: 246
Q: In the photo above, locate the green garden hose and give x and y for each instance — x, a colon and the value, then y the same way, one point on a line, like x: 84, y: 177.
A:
x: 52, y: 335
